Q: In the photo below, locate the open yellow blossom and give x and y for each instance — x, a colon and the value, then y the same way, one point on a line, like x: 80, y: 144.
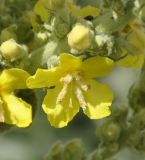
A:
x: 74, y: 88
x: 14, y: 110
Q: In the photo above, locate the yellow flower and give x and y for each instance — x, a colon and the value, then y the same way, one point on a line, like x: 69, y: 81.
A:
x: 74, y: 88
x: 14, y: 110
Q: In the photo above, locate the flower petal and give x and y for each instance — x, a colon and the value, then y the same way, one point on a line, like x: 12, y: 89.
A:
x: 16, y: 111
x: 11, y: 79
x: 49, y: 77
x: 69, y: 62
x: 82, y: 12
x: 98, y: 98
x: 60, y: 114
x: 97, y: 66
x: 135, y: 61
x: 44, y: 78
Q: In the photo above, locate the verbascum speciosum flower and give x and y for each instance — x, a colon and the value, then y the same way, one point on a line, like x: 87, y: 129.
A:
x: 82, y: 12
x: 14, y: 110
x: 74, y: 88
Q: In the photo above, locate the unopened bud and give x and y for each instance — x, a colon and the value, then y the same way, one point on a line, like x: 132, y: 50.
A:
x: 56, y: 152
x: 74, y: 150
x: 120, y: 112
x: 80, y: 37
x: 109, y: 132
x: 11, y: 50
x: 138, y: 121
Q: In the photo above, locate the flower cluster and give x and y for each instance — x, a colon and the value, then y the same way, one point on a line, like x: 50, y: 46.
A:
x: 65, y: 49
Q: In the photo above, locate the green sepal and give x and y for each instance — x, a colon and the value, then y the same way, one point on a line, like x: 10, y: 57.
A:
x: 72, y: 150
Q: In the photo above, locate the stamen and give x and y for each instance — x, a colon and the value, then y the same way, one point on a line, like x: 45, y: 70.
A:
x: 70, y: 103
x: 77, y: 77
x: 62, y: 94
x: 67, y: 79
x: 80, y: 98
x: 84, y: 86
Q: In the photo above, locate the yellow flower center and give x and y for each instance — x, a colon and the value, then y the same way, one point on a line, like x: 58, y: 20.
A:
x: 80, y: 86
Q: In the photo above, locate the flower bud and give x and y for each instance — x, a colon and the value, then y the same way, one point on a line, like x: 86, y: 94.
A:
x: 10, y: 50
x: 138, y: 121
x: 56, y: 152
x: 80, y: 37
x: 112, y: 132
x: 74, y: 150
x: 120, y: 112
x: 136, y: 96
x: 109, y: 132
